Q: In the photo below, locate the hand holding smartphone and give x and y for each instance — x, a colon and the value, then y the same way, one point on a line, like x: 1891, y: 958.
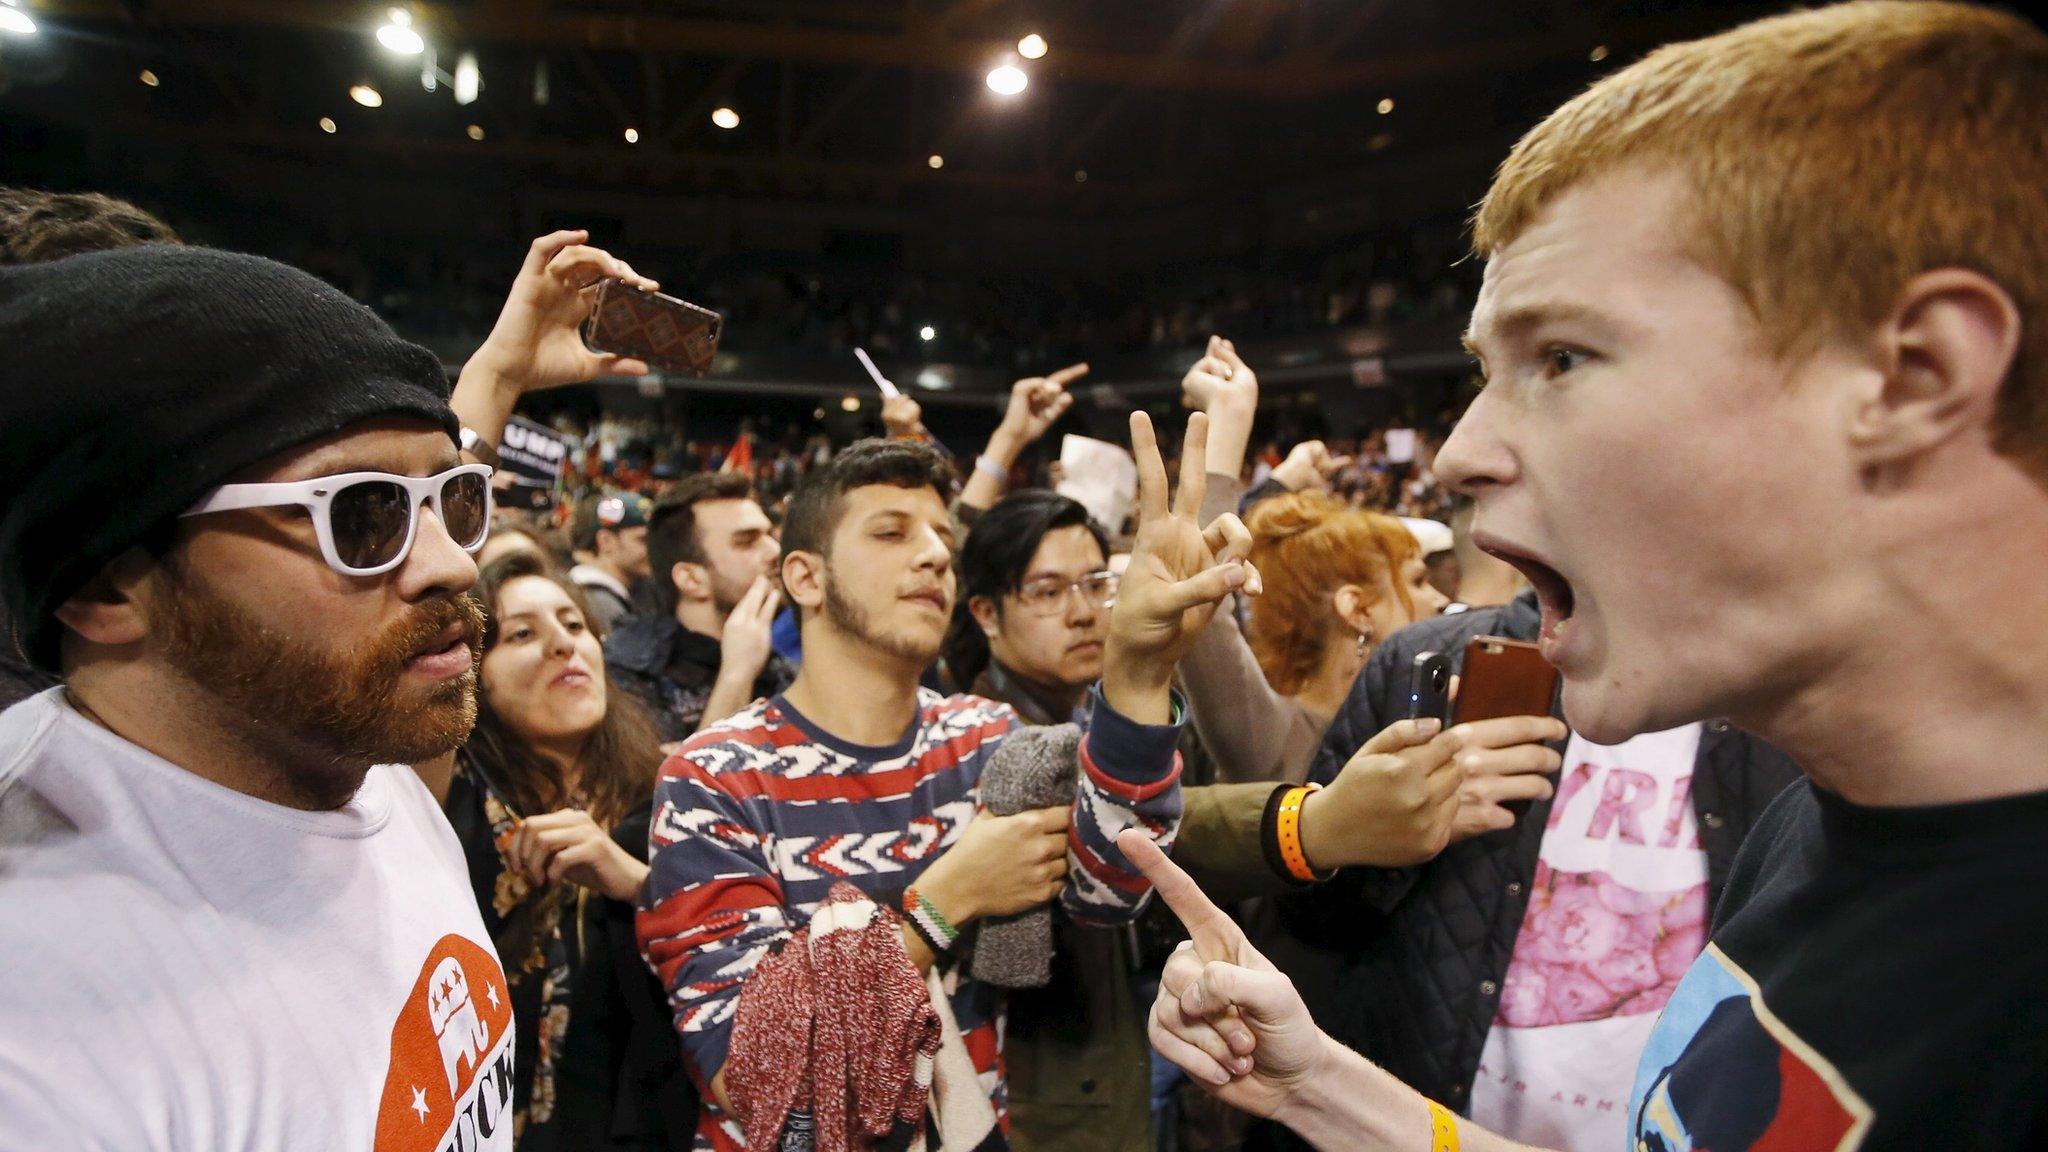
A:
x: 670, y: 334
x: 1499, y: 677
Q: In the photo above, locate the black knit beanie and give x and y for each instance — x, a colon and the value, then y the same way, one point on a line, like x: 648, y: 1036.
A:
x: 134, y: 381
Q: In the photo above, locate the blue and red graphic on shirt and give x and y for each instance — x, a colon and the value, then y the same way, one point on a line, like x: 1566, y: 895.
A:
x: 1723, y: 1074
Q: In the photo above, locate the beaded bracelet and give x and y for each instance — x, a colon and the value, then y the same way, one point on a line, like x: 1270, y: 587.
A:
x: 924, y: 919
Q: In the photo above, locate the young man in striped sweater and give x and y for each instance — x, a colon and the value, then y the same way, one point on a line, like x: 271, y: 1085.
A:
x: 856, y: 774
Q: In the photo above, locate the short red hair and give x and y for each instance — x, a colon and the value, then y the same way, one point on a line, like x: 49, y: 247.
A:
x: 1831, y: 156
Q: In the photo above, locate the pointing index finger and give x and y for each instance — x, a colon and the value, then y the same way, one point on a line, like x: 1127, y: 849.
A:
x: 1068, y: 374
x: 1216, y: 935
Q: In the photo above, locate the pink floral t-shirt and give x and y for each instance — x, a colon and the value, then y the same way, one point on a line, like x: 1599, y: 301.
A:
x: 1617, y: 913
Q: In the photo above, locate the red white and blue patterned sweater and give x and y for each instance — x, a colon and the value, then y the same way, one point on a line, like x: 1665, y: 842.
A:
x: 756, y: 818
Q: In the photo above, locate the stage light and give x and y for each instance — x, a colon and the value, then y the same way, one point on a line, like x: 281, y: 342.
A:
x: 476, y: 131
x: 632, y: 135
x: 1386, y: 106
x: 327, y: 125
x: 1598, y: 53
x: 469, y: 79
x: 149, y: 78
x: 927, y: 333
x: 850, y: 404
x: 725, y: 118
x: 367, y: 96
x: 1007, y: 80
x: 936, y: 161
x: 14, y: 20
x: 398, y: 35
x: 1031, y: 47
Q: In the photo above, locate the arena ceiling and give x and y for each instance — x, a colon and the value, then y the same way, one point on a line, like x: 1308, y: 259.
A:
x: 1135, y: 104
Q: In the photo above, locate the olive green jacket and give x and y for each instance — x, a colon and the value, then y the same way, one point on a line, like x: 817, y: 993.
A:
x: 1075, y: 1052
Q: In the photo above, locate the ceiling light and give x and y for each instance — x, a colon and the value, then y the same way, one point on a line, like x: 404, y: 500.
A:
x: 850, y: 404
x: 14, y: 20
x: 725, y: 118
x: 1008, y: 80
x: 1081, y: 176
x: 1031, y: 47
x: 632, y: 135
x: 469, y: 80
x: 1598, y: 53
x: 399, y: 36
x: 476, y: 131
x: 1386, y: 105
x: 149, y: 78
x: 936, y: 161
x: 327, y: 125
x: 367, y: 96
x: 927, y: 333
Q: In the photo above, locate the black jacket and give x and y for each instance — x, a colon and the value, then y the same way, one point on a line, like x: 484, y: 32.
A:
x: 1424, y: 950
x: 672, y: 670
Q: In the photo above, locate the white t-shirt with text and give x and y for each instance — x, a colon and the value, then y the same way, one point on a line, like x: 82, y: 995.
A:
x: 184, y: 967
x: 1617, y: 913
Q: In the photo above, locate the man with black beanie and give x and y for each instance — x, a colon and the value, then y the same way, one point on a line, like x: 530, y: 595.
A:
x: 238, y: 526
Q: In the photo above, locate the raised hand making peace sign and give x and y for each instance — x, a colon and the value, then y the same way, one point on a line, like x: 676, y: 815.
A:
x: 1179, y: 573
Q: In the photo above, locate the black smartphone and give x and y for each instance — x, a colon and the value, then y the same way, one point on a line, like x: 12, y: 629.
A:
x: 1429, y: 686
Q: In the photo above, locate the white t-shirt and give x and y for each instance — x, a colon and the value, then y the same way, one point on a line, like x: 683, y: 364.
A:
x: 186, y: 967
x: 1617, y: 913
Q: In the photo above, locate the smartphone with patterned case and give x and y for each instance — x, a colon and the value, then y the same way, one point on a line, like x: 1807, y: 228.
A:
x: 670, y: 334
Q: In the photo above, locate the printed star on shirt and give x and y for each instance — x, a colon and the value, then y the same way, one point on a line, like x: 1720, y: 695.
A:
x: 419, y: 1103
x: 491, y: 994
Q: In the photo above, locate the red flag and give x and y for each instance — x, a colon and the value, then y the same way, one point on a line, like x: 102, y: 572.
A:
x: 741, y: 458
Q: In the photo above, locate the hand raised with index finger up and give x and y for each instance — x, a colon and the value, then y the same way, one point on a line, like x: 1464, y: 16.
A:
x: 1178, y: 575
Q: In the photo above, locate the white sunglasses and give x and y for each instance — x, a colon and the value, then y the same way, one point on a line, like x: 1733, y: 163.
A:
x: 366, y: 521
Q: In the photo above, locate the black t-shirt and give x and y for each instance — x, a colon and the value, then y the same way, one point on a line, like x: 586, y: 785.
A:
x: 1878, y: 978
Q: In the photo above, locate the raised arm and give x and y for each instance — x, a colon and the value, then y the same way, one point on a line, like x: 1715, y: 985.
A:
x: 537, y: 342
x: 1036, y: 404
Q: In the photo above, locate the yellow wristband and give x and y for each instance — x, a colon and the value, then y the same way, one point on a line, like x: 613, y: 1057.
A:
x: 1443, y: 1128
x: 1287, y: 829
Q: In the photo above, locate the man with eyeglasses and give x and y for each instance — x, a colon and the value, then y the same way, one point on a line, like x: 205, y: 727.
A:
x: 239, y: 527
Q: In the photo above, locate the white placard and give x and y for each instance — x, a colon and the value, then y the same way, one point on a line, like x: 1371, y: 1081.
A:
x: 1102, y: 476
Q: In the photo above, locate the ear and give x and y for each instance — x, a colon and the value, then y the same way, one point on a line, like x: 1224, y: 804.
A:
x: 1354, y: 607
x: 112, y: 609
x: 803, y: 578
x: 985, y: 614
x: 692, y: 581
x: 1945, y: 352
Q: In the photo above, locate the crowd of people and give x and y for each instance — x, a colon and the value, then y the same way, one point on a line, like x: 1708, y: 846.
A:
x: 780, y: 305
x: 735, y: 809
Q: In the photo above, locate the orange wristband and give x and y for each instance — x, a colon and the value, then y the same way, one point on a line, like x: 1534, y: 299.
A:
x: 1287, y: 829
x: 1443, y: 1128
